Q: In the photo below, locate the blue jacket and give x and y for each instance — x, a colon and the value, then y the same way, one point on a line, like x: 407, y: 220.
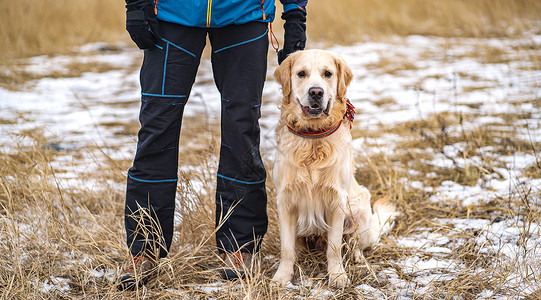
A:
x: 220, y: 13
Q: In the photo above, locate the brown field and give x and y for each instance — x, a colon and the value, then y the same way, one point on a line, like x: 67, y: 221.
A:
x: 46, y: 27
x: 61, y: 241
x: 348, y: 20
x: 49, y: 27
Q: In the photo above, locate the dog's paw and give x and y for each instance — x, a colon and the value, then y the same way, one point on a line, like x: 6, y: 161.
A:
x: 281, y: 278
x: 358, y: 256
x: 339, y: 280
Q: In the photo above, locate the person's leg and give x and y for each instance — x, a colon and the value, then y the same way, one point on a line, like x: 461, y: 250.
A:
x: 239, y: 61
x: 167, y: 75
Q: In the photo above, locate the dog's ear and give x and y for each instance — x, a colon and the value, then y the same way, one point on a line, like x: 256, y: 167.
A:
x: 283, y: 76
x: 344, y: 77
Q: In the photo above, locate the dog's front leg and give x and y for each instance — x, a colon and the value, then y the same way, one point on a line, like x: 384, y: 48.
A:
x: 337, y: 274
x: 288, y: 222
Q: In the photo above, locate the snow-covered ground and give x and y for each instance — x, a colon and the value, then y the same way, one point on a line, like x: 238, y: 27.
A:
x: 396, y: 81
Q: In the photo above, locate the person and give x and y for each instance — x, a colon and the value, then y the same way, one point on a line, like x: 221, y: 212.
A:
x: 172, y: 34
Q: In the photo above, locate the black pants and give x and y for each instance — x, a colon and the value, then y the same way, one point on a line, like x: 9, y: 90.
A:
x: 239, y: 62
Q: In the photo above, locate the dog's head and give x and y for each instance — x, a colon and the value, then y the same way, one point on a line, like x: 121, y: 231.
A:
x: 314, y: 86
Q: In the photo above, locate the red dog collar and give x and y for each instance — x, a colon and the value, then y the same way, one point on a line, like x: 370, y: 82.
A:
x: 349, y: 115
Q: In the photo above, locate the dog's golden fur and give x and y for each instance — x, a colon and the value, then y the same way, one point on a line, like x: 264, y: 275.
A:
x: 317, y: 192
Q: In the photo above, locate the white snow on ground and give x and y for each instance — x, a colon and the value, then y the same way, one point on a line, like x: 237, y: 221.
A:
x: 420, y: 75
x: 55, y: 284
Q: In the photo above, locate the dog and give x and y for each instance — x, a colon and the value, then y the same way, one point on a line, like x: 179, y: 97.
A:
x: 317, y: 194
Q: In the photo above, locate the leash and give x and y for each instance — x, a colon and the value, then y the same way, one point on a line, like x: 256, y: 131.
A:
x: 348, y: 115
x: 273, y: 38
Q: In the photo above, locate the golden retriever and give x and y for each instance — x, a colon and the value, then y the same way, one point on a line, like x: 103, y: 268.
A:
x: 313, y: 169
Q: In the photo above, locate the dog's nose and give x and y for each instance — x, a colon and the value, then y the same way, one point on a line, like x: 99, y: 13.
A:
x: 315, y: 93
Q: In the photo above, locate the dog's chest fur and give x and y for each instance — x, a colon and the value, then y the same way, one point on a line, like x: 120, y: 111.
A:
x: 313, y: 175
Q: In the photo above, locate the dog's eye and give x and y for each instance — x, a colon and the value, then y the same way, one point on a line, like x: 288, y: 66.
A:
x: 328, y: 74
x: 301, y: 74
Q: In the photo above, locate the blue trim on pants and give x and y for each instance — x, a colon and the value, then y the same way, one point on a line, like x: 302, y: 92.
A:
x: 165, y: 68
x: 164, y: 96
x: 240, y: 181
x: 242, y: 43
x: 153, y: 181
x: 177, y: 46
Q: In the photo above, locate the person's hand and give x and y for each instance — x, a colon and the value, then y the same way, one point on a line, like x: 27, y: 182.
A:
x: 294, y: 33
x: 141, y: 24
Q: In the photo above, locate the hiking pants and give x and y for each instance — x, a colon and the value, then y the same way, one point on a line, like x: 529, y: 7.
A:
x: 239, y: 64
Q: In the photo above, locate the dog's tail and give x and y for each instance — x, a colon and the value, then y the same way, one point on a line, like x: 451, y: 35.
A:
x: 382, y: 219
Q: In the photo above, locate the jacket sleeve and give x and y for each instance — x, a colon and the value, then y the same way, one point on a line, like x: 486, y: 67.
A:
x: 294, y: 4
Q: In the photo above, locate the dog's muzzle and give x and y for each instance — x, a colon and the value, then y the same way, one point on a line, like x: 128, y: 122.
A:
x: 316, y: 99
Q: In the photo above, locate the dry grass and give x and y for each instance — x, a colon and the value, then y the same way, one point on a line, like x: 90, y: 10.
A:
x: 72, y: 238
x: 347, y: 21
x: 45, y: 27
x: 48, y: 27
x: 59, y: 242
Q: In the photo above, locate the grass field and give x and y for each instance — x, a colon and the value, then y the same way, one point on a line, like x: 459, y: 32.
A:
x: 46, y: 27
x: 447, y: 127
x: 347, y: 21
